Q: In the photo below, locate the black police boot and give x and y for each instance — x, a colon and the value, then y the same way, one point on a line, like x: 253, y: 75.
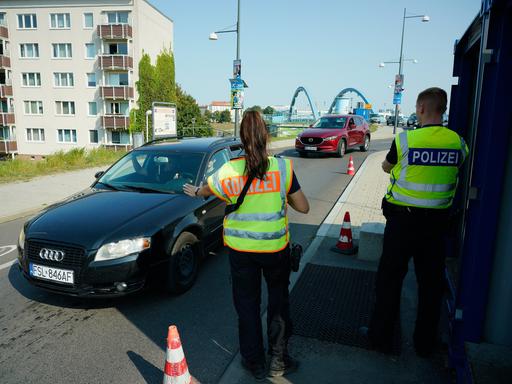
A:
x: 257, y: 369
x: 282, y: 365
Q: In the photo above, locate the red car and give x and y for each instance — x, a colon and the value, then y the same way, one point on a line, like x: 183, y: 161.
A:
x: 334, y: 134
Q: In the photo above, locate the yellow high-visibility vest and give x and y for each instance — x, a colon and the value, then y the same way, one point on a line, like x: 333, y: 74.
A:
x: 260, y: 224
x: 426, y: 173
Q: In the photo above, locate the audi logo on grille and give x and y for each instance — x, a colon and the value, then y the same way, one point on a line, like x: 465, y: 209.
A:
x: 51, y: 254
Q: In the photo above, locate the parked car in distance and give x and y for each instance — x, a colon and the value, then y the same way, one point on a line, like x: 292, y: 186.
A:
x: 132, y: 225
x: 412, y: 121
x: 334, y: 134
x: 376, y: 118
x: 391, y: 120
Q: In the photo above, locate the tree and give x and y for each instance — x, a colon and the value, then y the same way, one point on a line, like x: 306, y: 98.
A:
x: 208, y: 116
x: 225, y: 116
x: 189, y: 115
x: 216, y: 116
x: 146, y: 88
x: 268, y: 110
x: 164, y: 77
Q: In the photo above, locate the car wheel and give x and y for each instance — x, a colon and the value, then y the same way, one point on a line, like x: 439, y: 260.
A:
x: 183, y: 263
x: 366, y: 144
x: 342, y: 147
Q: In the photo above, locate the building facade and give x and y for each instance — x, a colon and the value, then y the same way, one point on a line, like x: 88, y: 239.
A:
x: 68, y: 70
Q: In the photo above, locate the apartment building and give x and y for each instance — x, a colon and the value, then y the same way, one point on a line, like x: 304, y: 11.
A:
x: 68, y: 70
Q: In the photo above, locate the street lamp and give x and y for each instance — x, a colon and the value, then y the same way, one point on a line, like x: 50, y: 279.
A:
x: 213, y: 36
x: 425, y: 19
x: 382, y: 64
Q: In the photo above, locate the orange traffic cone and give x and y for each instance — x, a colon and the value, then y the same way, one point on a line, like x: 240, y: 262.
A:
x: 345, y: 244
x: 176, y: 369
x: 350, y: 169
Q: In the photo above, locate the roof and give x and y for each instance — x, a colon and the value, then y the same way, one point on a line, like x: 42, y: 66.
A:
x: 221, y: 103
x: 203, y: 144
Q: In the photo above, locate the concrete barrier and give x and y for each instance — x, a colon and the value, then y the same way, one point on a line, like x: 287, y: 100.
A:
x: 371, y: 238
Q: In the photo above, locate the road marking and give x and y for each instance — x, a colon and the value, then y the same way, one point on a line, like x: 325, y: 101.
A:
x: 6, y: 249
x: 221, y: 347
x: 7, y: 265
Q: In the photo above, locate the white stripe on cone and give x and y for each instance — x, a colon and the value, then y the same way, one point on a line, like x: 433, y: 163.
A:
x: 183, y: 379
x: 175, y: 355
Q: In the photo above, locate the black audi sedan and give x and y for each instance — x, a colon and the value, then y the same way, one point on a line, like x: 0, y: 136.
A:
x: 133, y: 221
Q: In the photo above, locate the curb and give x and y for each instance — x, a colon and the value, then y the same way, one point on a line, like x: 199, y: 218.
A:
x: 19, y: 215
x: 235, y: 365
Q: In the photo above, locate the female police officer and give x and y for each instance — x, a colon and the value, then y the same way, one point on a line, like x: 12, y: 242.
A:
x: 258, y: 240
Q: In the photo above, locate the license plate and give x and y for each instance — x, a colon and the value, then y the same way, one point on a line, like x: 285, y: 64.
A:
x: 54, y: 274
x: 310, y: 148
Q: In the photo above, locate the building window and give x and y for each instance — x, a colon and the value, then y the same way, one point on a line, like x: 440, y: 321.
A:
x: 66, y: 135
x: 88, y: 20
x: 118, y: 109
x: 120, y: 137
x: 63, y: 79
x: 27, y: 21
x: 4, y: 133
x: 93, y: 108
x: 33, y: 107
x: 4, y: 106
x: 117, y: 79
x: 31, y: 79
x: 90, y: 51
x: 93, y: 137
x: 91, y: 79
x: 65, y: 107
x: 61, y: 51
x: 29, y: 50
x: 60, y: 21
x: 119, y: 17
x: 35, y: 135
x: 3, y: 19
x: 117, y: 49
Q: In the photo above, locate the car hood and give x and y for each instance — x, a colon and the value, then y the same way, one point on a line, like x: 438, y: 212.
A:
x: 93, y: 215
x: 321, y: 132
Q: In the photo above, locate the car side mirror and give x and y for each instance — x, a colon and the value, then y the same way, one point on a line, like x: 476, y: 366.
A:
x: 97, y: 175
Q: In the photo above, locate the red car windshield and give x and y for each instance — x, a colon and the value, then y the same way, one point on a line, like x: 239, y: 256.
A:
x: 330, y: 122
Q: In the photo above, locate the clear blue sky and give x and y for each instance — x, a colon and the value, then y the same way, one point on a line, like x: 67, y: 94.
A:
x: 324, y: 45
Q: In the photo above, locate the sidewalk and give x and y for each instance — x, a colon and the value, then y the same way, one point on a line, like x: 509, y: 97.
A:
x: 329, y: 362
x: 28, y: 197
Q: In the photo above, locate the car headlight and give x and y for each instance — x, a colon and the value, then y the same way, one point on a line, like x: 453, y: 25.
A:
x: 330, y: 138
x: 122, y: 248
x: 21, y: 238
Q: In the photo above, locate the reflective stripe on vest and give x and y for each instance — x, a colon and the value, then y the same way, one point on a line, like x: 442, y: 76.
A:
x: 424, y: 202
x: 255, y: 235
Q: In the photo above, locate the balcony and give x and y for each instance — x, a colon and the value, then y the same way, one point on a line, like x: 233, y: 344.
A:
x: 116, y: 92
x: 4, y: 32
x: 8, y: 146
x: 5, y: 61
x: 116, y: 62
x: 5, y: 91
x: 115, y: 31
x: 7, y: 118
x: 115, y: 122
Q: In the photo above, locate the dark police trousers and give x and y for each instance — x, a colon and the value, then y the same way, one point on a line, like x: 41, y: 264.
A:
x: 416, y: 233
x: 246, y: 270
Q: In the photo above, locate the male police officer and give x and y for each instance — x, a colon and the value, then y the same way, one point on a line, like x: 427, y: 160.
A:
x: 423, y: 166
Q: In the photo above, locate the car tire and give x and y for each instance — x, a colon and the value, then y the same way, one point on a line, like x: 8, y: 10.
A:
x: 342, y: 148
x: 366, y: 144
x: 183, y: 263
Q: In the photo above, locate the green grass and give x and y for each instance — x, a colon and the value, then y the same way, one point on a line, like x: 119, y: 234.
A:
x: 78, y: 158
x: 373, y: 127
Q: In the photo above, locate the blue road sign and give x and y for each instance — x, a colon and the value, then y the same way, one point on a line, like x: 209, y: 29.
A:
x: 397, y: 98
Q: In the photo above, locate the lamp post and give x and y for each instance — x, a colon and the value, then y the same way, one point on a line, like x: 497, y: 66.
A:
x: 213, y: 36
x: 425, y: 19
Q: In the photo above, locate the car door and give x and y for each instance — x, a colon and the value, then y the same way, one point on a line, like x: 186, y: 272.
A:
x: 352, y: 132
x: 360, y: 130
x: 213, y: 209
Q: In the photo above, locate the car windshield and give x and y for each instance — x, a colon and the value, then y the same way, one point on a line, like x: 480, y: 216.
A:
x: 330, y: 122
x: 153, y: 171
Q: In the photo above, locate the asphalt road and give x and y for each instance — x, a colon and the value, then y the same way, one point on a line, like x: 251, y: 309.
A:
x: 50, y: 339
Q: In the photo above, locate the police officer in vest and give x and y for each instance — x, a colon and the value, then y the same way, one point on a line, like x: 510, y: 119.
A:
x: 423, y: 165
x: 258, y: 240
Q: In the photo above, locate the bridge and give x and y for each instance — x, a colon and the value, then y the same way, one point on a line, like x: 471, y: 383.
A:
x: 338, y: 105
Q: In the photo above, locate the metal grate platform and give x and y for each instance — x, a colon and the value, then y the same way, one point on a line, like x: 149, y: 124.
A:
x: 332, y: 303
